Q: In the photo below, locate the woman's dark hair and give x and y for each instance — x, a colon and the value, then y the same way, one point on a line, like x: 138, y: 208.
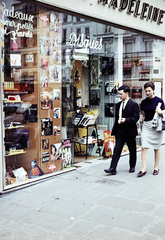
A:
x: 149, y: 84
x: 125, y: 88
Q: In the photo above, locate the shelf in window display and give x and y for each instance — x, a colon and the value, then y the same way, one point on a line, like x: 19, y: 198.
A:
x: 21, y: 126
x: 15, y: 152
x: 12, y: 101
x: 10, y: 89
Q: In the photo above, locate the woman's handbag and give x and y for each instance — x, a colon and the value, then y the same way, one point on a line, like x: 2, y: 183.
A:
x: 163, y: 125
x: 158, y: 122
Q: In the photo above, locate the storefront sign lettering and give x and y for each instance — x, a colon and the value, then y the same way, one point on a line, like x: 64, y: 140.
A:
x: 82, y: 42
x: 147, y: 11
x: 18, y: 29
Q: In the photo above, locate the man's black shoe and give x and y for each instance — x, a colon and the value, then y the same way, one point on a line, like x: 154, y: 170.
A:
x: 132, y: 169
x: 110, y: 171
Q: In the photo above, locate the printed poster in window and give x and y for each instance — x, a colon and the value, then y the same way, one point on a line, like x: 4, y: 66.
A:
x: 56, y: 41
x: 136, y: 92
x: 56, y: 153
x: 27, y: 84
x: 15, y: 60
x: 44, y: 64
x: 108, y: 143
x: 109, y: 110
x: 55, y: 73
x: 45, y: 46
x: 107, y: 65
x: 56, y: 130
x: 56, y: 94
x: 57, y: 55
x: 45, y: 143
x: 94, y: 72
x: 46, y: 100
x: 45, y: 157
x: 94, y: 97
x: 66, y: 154
x: 44, y: 81
x: 46, y: 126
x: 56, y: 113
x: 55, y: 22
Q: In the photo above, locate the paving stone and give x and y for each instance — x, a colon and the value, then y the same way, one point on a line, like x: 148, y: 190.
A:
x: 117, y: 217
x: 17, y: 213
x: 69, y: 208
x: 126, y: 204
x: 158, y: 229
x: 128, y: 235
x: 160, y: 212
x: 99, y: 232
x: 48, y: 221
x: 81, y: 228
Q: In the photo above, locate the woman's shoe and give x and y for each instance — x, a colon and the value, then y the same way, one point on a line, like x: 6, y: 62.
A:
x: 156, y: 172
x: 141, y: 174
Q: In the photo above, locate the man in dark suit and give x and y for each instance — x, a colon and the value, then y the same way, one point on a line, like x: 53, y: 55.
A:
x: 124, y: 129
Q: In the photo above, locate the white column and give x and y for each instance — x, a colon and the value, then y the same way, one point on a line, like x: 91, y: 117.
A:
x: 120, y: 59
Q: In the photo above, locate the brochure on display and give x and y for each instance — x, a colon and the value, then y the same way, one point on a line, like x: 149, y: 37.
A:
x: 85, y: 117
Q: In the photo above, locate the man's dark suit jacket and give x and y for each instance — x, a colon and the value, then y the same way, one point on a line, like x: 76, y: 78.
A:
x: 131, y: 114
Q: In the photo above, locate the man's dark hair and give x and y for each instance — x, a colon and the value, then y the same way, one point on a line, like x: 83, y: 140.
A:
x: 125, y: 88
x: 149, y: 84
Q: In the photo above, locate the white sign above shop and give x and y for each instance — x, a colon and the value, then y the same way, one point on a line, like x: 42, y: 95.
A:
x: 144, y: 10
x: 147, y: 16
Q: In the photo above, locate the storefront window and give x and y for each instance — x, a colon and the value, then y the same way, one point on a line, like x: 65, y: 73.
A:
x: 60, y: 75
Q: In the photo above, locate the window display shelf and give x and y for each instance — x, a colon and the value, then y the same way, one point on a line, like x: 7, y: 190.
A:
x: 10, y: 89
x: 21, y: 126
x: 15, y: 153
x: 12, y: 101
x: 87, y: 141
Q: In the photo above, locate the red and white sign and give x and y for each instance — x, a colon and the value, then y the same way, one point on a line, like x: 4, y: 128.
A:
x: 44, y: 18
x: 52, y: 167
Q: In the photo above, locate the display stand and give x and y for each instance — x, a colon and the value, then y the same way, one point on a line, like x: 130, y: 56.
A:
x: 86, y: 143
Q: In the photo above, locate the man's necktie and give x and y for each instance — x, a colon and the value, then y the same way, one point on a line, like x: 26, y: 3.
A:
x: 123, y: 105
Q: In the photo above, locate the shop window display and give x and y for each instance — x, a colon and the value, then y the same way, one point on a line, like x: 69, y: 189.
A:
x: 31, y: 91
x: 60, y: 77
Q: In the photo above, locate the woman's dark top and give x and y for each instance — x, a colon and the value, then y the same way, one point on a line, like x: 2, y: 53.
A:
x: 148, y: 105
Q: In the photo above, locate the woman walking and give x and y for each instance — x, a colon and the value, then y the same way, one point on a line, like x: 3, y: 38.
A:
x: 150, y: 138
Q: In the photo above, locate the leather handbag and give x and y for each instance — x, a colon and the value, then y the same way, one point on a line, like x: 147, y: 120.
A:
x: 163, y: 125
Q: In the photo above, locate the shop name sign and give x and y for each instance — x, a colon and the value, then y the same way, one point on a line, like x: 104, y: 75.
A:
x: 138, y: 9
x: 18, y: 29
x: 82, y: 42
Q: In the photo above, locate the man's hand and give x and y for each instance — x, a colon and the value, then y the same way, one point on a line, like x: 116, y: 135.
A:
x: 122, y: 120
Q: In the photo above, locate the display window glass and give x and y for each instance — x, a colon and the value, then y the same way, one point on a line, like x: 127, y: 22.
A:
x: 60, y: 75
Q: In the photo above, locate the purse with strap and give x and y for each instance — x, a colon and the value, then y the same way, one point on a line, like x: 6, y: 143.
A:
x: 158, y: 122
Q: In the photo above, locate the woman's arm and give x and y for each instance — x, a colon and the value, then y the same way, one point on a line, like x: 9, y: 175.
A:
x: 143, y: 117
x: 159, y: 111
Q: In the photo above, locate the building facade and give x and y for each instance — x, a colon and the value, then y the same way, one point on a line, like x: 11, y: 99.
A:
x: 62, y: 64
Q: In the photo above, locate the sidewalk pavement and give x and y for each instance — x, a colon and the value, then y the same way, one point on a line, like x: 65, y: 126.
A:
x: 88, y: 204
